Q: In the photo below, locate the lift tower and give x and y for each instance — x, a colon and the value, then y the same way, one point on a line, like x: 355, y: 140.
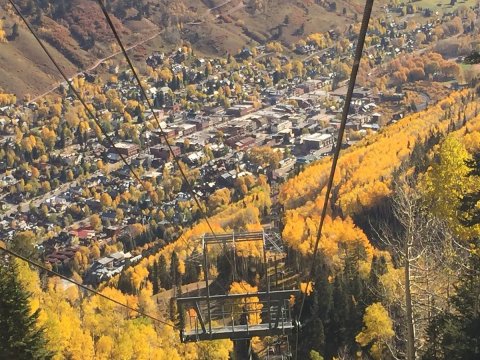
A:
x: 239, y: 316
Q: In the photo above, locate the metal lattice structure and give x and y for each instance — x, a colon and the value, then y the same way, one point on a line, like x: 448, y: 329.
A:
x: 238, y: 317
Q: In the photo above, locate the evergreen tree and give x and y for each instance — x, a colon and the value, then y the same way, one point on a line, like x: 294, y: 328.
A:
x: 124, y: 284
x: 60, y: 9
x: 191, y: 272
x: 318, y: 312
x: 470, y: 211
x: 339, y: 319
x: 354, y: 287
x: 174, y: 273
x: 154, y: 277
x: 456, y: 335
x: 184, y: 76
x: 378, y: 268
x: 163, y: 275
x: 20, y: 338
x: 15, y: 32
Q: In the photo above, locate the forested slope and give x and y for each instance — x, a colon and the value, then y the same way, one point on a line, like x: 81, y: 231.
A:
x: 359, y: 299
x: 364, y: 172
x: 406, y: 187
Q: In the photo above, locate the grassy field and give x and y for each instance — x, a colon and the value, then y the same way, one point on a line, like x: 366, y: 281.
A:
x: 25, y: 69
x: 444, y: 5
x: 224, y: 29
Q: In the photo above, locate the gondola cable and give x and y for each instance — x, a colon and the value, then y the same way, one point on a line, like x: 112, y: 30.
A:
x: 82, y: 286
x: 162, y: 132
x: 338, y: 146
x: 87, y: 108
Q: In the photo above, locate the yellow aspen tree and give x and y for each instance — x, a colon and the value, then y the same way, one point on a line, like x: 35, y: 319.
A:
x: 377, y: 330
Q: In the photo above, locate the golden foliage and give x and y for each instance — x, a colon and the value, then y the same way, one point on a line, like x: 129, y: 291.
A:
x: 7, y: 99
x: 363, y: 172
x: 3, y: 35
x: 317, y: 39
x: 446, y: 182
x: 306, y: 287
x: 274, y: 46
x: 363, y: 176
x: 378, y: 328
x: 242, y: 215
x: 247, y: 306
x: 300, y: 232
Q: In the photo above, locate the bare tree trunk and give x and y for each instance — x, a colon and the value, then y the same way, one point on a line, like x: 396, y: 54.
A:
x: 409, y: 307
x: 415, y: 246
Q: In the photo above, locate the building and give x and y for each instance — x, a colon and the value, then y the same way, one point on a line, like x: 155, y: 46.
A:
x: 240, y: 110
x: 126, y: 149
x: 280, y: 126
x: 317, y: 141
x: 108, y: 266
x: 376, y: 118
x: 62, y: 256
x: 201, y: 123
x: 158, y: 114
x: 232, y: 140
x: 245, y: 143
x: 156, y: 136
x: 155, y: 59
x: 163, y: 152
x: 259, y: 121
x: 286, y: 165
x: 233, y: 130
x: 188, y: 129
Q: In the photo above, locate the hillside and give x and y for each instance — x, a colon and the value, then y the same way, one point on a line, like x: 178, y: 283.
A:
x: 105, y: 219
x: 78, y: 31
x: 354, y: 273
x: 79, y: 37
x: 239, y: 23
x: 23, y: 58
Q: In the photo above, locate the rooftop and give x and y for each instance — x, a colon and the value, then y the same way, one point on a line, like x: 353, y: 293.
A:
x: 317, y: 137
x: 124, y: 145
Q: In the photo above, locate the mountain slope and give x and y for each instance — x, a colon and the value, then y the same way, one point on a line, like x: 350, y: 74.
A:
x: 78, y: 31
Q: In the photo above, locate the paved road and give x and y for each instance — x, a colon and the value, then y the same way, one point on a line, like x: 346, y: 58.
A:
x: 218, y: 6
x: 36, y: 202
x: 24, y: 206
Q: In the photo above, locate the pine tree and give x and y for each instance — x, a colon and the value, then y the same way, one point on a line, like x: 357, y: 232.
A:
x: 20, y: 338
x: 317, y: 319
x: 191, y: 272
x: 378, y: 268
x: 154, y: 277
x: 470, y: 211
x: 15, y: 32
x: 456, y: 335
x: 339, y: 319
x: 164, y: 276
x: 174, y: 273
x: 125, y: 284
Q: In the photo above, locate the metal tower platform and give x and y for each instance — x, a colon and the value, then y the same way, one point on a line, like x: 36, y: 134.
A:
x: 238, y: 316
